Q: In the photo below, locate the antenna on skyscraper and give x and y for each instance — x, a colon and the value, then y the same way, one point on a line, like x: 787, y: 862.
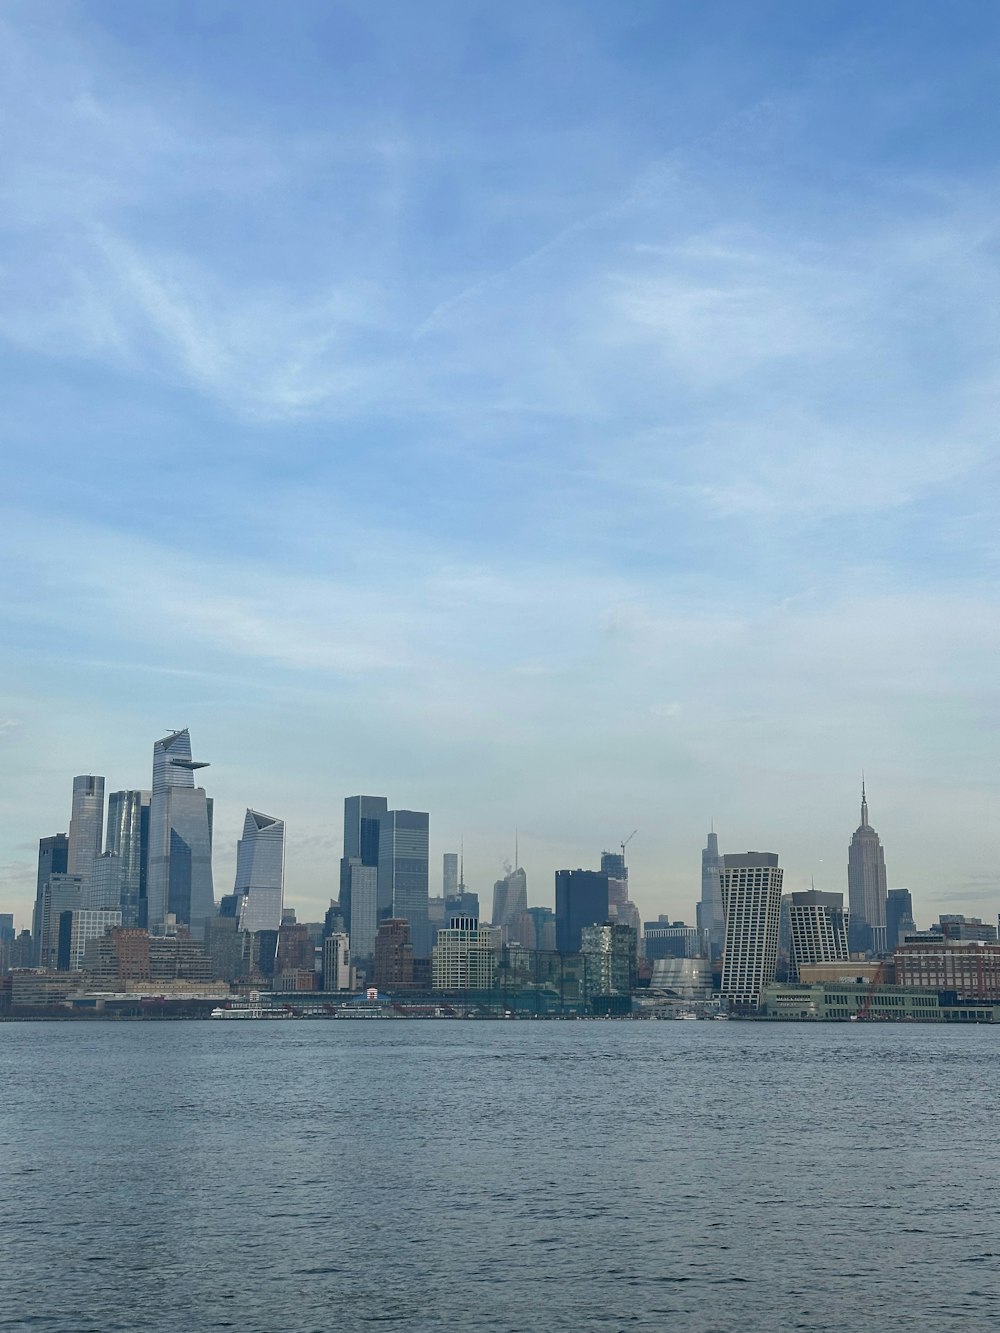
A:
x: 461, y: 864
x: 517, y: 863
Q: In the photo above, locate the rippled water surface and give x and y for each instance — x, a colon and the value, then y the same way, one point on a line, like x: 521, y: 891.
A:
x: 689, y: 1177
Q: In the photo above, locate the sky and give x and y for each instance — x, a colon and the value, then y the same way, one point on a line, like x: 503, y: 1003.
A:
x: 568, y: 418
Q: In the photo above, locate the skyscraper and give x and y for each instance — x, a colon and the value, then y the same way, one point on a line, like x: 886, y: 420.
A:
x: 817, y: 930
x: 127, y: 842
x: 866, y: 886
x: 751, y: 900
x: 60, y: 893
x: 179, y: 880
x: 86, y: 825
x: 403, y: 842
x: 260, y: 871
x: 710, y: 916
x: 898, y: 917
x: 53, y: 858
x: 510, y: 896
x: 362, y: 817
x: 581, y: 900
x: 449, y: 875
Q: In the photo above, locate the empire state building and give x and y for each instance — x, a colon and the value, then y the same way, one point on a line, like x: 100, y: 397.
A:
x: 866, y: 887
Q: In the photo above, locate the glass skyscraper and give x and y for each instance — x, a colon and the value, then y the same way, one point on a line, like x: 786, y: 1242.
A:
x: 86, y: 824
x: 126, y: 858
x: 403, y: 849
x: 362, y: 819
x: 179, y: 881
x: 710, y: 915
x: 260, y: 870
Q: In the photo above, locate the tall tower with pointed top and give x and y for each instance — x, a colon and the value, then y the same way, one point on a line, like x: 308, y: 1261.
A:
x: 710, y: 914
x: 866, y: 886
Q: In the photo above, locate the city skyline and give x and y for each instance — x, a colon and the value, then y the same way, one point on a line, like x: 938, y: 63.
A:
x: 363, y: 818
x: 571, y: 446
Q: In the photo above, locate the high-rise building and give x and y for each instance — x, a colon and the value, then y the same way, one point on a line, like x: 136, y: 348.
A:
x: 53, y: 858
x: 403, y: 873
x: 581, y: 900
x: 817, y: 930
x: 75, y: 929
x: 710, y: 916
x: 866, y: 887
x: 360, y: 882
x: 337, y: 963
x: 544, y: 921
x: 60, y: 893
x: 260, y: 869
x: 465, y: 956
x: 128, y: 840
x: 393, y: 955
x: 613, y: 865
x: 510, y: 896
x: 611, y: 955
x: 449, y: 875
x: 86, y: 825
x: 751, y: 900
x: 899, y: 920
x: 362, y: 820
x: 179, y: 881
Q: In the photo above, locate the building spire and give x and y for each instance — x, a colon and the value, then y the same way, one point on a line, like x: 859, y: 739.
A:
x: 864, y: 803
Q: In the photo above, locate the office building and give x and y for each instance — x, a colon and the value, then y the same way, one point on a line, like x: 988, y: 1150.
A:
x: 103, y: 889
x: 60, y: 893
x: 260, y: 871
x: 53, y: 859
x: 86, y: 825
x: 227, y: 946
x: 179, y: 881
x: 360, y: 882
x: 710, y: 916
x: 965, y: 929
x: 403, y: 873
x: 899, y: 920
x: 76, y: 928
x: 613, y: 865
x: 543, y: 921
x: 466, y: 956
x: 128, y: 839
x: 510, y: 896
x: 393, y: 955
x: 673, y: 939
x: 362, y: 821
x: 818, y: 930
x: 581, y: 900
x: 751, y: 901
x: 449, y: 875
x: 866, y: 887
x: 610, y: 953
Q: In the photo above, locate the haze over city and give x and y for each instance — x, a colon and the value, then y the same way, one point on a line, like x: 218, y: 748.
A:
x: 573, y: 419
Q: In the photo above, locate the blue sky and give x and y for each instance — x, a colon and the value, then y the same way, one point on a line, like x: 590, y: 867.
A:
x: 576, y: 417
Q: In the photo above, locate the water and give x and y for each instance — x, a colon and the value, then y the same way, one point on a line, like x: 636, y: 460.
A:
x: 690, y: 1177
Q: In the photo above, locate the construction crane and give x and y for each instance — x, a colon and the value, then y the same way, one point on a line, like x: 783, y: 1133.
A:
x: 878, y: 977
x: 626, y: 843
